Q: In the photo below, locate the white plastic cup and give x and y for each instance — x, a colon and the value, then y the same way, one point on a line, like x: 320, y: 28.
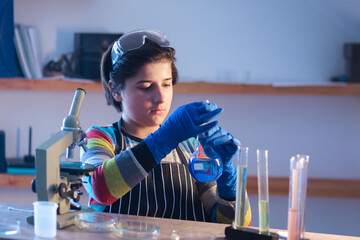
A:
x: 45, y: 219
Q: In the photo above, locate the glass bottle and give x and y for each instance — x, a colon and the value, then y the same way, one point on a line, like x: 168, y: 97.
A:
x: 203, y: 168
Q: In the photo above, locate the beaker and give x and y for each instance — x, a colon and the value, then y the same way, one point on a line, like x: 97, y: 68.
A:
x: 203, y: 168
x: 45, y: 218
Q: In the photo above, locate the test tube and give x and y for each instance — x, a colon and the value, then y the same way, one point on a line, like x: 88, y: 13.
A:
x: 240, y: 211
x: 263, y: 190
x: 297, y: 196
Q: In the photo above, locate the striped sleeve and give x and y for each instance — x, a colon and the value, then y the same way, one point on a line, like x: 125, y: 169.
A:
x: 115, y: 175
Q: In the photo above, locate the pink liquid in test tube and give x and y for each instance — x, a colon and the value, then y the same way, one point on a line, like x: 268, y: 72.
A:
x: 297, y: 194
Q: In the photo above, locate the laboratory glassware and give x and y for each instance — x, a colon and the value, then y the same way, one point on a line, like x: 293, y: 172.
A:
x: 188, y: 234
x: 9, y: 227
x: 45, y: 218
x: 136, y: 230
x: 96, y: 221
x: 203, y: 168
x: 238, y: 230
x: 297, y: 196
x: 241, y: 165
x: 263, y: 190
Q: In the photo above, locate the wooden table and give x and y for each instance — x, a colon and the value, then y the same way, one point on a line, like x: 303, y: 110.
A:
x: 166, y: 227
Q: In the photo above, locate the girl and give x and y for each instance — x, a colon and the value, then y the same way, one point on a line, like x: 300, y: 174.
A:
x: 142, y: 160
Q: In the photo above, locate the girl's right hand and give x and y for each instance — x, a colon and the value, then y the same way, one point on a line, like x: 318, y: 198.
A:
x: 187, y: 121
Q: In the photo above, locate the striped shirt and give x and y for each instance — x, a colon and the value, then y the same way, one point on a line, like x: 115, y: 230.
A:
x: 129, y: 181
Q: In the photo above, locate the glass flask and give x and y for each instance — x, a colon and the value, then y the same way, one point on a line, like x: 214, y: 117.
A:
x: 203, y: 168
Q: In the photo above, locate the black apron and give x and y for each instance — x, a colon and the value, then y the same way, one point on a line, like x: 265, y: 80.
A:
x: 167, y: 192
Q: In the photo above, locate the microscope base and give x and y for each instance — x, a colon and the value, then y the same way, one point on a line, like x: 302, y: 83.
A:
x: 66, y: 219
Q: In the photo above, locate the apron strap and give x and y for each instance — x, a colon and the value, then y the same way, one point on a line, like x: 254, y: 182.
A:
x: 119, y: 138
x: 182, y: 158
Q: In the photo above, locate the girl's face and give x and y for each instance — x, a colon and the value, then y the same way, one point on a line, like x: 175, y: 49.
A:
x: 146, y: 98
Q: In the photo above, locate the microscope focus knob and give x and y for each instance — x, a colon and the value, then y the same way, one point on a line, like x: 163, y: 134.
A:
x: 63, y: 190
x: 33, y: 185
x: 75, y: 195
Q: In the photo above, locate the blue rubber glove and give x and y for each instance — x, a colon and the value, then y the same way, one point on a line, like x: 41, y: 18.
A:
x: 221, y: 144
x: 186, y: 122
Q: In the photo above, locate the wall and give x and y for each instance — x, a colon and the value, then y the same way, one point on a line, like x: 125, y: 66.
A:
x: 252, y: 41
x: 236, y: 40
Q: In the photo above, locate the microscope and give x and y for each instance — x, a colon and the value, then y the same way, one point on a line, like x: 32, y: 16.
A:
x: 58, y: 181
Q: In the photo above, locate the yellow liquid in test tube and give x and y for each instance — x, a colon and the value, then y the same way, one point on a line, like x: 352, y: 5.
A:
x: 263, y: 190
x: 264, y: 216
x: 240, y: 196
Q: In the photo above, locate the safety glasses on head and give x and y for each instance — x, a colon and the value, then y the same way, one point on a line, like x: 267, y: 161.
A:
x: 134, y: 40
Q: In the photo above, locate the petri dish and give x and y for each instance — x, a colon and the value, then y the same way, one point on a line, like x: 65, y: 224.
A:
x: 9, y: 228
x: 136, y: 230
x: 191, y: 235
x: 95, y: 221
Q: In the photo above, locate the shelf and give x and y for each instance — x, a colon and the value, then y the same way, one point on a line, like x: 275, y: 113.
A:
x: 48, y: 85
x: 268, y: 89
x: 16, y: 180
x: 352, y: 89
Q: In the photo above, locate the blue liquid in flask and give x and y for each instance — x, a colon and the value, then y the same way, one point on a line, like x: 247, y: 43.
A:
x: 205, y: 169
x: 201, y: 167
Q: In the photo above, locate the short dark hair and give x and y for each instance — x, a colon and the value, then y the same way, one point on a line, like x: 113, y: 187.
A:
x: 130, y: 63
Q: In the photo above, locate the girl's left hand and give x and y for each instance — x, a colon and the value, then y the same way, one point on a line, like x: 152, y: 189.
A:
x: 219, y: 144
